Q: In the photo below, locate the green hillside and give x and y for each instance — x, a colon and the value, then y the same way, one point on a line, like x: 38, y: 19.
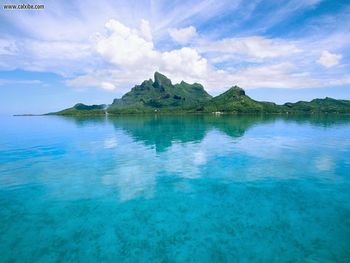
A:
x: 326, y: 105
x: 236, y: 101
x: 82, y: 109
x: 160, y: 95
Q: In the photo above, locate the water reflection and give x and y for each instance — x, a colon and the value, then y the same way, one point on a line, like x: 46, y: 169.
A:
x: 132, y: 153
x: 172, y: 146
x: 84, y: 121
x: 161, y: 131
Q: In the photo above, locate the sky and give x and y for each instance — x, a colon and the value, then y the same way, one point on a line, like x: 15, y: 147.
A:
x: 94, y: 51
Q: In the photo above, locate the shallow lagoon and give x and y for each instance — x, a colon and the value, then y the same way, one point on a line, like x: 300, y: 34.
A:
x: 175, y: 189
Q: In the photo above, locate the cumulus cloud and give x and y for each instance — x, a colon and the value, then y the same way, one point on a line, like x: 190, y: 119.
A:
x: 328, y: 59
x: 132, y: 51
x: 124, y: 46
x: 183, y: 35
x: 184, y: 62
x: 145, y: 30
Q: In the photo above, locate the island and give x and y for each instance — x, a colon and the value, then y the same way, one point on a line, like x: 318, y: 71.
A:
x: 161, y: 96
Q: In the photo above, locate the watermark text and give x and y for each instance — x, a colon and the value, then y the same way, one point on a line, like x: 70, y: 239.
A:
x: 23, y: 7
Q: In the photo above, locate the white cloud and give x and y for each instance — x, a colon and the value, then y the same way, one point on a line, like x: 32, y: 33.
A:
x: 279, y: 75
x: 61, y: 57
x: 132, y: 51
x: 145, y: 30
x: 253, y: 47
x: 184, y: 62
x: 58, y: 50
x: 124, y: 46
x: 342, y: 81
x: 108, y: 86
x: 328, y: 59
x: 183, y: 35
x: 104, y: 79
x: 4, y: 82
x: 283, y: 75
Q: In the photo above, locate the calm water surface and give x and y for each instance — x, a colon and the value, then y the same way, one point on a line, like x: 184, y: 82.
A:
x: 175, y: 189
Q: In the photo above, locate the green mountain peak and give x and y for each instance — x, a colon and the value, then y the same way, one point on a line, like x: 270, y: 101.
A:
x: 160, y: 95
x: 236, y: 91
x: 161, y: 80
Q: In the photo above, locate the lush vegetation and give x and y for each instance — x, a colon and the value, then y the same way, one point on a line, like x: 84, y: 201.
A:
x: 327, y: 105
x: 236, y: 101
x: 162, y: 96
x: 81, y: 109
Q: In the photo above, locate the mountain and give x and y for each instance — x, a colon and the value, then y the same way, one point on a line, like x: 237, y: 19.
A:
x: 82, y: 109
x: 326, y: 105
x: 235, y: 100
x: 162, y: 96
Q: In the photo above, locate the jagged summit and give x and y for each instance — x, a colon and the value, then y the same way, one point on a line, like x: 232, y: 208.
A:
x: 161, y: 80
x: 160, y: 94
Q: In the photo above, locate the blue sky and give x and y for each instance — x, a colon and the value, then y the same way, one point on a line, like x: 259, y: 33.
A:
x: 95, y: 51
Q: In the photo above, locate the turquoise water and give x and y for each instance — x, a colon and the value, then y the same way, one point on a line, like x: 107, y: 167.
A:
x: 175, y: 189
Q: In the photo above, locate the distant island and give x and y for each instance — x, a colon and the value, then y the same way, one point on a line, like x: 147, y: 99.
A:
x: 161, y: 96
